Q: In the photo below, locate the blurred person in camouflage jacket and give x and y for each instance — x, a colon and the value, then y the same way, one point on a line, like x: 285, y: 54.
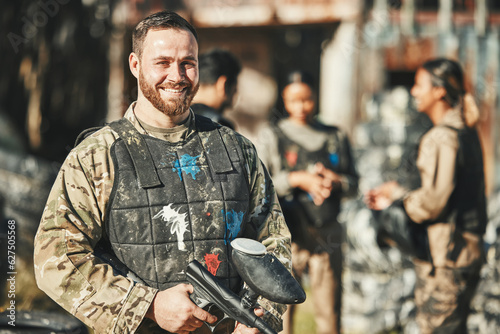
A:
x: 445, y: 218
x: 140, y: 198
x: 313, y: 169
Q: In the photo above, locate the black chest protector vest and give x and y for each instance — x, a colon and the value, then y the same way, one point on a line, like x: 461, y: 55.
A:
x: 295, y: 158
x: 175, y: 202
x: 467, y: 206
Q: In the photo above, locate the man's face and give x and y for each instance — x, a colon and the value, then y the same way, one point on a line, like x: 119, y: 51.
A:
x: 168, y: 74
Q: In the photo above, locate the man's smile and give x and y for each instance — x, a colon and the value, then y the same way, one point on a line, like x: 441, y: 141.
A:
x: 172, y: 92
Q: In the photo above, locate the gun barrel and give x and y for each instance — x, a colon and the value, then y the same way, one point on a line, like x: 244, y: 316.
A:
x: 208, y: 288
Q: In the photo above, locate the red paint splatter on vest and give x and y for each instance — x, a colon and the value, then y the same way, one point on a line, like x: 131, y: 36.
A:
x: 212, y: 262
x: 291, y: 158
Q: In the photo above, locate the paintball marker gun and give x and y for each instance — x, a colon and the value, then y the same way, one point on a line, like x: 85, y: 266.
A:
x: 264, y: 275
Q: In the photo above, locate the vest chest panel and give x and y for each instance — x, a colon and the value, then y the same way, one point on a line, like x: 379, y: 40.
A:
x: 192, y: 214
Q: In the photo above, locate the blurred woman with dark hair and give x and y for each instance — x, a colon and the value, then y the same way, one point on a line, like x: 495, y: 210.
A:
x: 449, y: 207
x: 312, y: 169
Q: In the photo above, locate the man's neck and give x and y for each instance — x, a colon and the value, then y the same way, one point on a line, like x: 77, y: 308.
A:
x: 147, y: 113
x: 207, y: 95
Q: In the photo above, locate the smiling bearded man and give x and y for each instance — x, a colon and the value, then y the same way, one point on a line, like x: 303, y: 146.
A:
x: 153, y: 191
x: 177, y: 106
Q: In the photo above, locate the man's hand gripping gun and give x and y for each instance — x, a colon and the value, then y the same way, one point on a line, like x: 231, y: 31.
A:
x: 264, y: 276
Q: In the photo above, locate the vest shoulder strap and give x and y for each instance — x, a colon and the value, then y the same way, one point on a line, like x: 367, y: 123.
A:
x: 218, y: 153
x: 139, y: 152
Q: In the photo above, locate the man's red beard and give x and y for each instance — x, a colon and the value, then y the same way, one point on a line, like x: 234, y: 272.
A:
x: 173, y: 107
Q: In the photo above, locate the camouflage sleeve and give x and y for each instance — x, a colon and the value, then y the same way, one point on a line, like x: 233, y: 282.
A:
x: 266, y: 216
x: 268, y: 151
x: 436, y: 162
x: 71, y: 225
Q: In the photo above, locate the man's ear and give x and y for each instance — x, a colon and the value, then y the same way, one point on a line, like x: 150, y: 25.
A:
x: 133, y: 63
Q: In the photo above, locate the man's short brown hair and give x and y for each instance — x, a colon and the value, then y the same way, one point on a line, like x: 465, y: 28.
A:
x: 158, y: 21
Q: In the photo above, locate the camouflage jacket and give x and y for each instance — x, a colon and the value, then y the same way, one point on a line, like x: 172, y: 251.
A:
x: 72, y: 224
x: 437, y: 166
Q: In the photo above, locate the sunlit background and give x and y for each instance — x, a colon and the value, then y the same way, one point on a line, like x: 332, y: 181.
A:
x: 65, y: 69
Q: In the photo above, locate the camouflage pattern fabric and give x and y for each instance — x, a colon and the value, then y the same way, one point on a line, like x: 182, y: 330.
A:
x: 443, y: 298
x: 72, y: 224
x: 325, y: 275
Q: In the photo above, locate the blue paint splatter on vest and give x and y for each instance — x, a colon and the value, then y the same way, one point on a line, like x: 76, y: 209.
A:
x: 334, y: 159
x: 187, y: 164
x: 233, y: 222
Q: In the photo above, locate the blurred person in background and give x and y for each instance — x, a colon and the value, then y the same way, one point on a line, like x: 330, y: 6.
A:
x: 136, y: 201
x: 219, y: 70
x: 443, y: 220
x: 313, y: 169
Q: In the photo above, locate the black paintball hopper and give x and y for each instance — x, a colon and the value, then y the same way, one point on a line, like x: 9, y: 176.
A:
x: 264, y: 273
